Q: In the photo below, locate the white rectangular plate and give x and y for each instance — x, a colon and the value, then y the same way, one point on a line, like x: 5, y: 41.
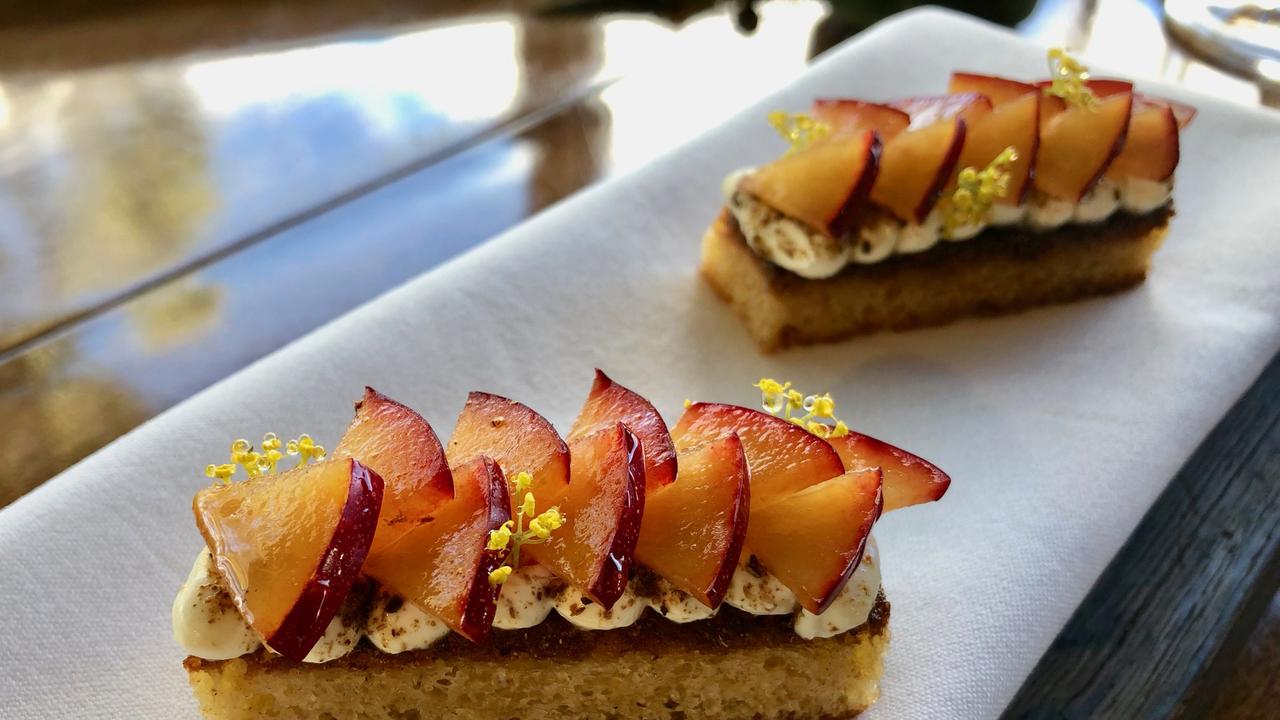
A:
x: 1059, y: 426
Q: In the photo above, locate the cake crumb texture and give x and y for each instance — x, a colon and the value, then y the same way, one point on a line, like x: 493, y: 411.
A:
x: 732, y: 668
x: 999, y: 271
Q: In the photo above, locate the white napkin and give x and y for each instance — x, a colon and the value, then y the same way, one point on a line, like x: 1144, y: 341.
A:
x: 1059, y: 426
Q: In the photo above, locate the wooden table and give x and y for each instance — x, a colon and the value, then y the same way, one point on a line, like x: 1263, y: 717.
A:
x: 186, y: 188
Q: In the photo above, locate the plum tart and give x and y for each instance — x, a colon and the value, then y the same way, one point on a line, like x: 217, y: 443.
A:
x: 720, y: 568
x: 998, y: 196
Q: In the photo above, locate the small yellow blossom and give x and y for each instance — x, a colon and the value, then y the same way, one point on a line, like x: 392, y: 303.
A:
x: 817, y: 428
x: 814, y: 413
x: 222, y: 472
x: 798, y: 129
x: 1068, y: 80
x: 513, y: 535
x: 769, y: 386
x: 538, y: 529
x: 552, y: 519
x: 501, y: 538
x: 305, y: 448
x: 257, y: 463
x: 822, y: 406
x: 977, y: 190
x: 795, y: 400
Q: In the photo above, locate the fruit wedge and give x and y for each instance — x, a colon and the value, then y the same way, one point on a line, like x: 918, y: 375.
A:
x: 813, y: 541
x: 290, y: 545
x: 929, y: 109
x: 1078, y: 144
x: 693, y: 530
x: 1051, y: 105
x: 1150, y: 147
x: 399, y: 445
x: 851, y: 117
x: 915, y: 166
x: 908, y: 479
x: 1182, y: 112
x: 610, y: 403
x: 602, y: 509
x: 1016, y: 124
x: 516, y: 437
x: 443, y: 566
x: 783, y: 458
x: 997, y: 89
x: 824, y: 184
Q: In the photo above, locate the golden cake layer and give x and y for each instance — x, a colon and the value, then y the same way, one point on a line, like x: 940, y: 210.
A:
x: 733, y: 666
x: 1001, y: 270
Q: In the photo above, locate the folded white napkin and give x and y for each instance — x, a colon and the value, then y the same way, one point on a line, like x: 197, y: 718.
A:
x: 1059, y: 426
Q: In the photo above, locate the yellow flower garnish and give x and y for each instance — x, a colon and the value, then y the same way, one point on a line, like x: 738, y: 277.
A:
x: 977, y: 190
x: 512, y: 535
x: 221, y: 473
x: 798, y: 129
x: 1067, y: 80
x: 500, y: 539
x: 500, y: 575
x: 257, y: 463
x: 305, y: 448
x: 781, y: 400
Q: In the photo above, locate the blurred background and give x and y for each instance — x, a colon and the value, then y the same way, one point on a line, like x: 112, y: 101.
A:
x: 186, y: 186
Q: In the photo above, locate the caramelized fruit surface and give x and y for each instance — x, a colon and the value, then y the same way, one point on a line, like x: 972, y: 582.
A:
x: 915, y: 166
x: 1014, y: 124
x: 908, y: 479
x: 693, y: 530
x: 602, y: 508
x: 1151, y: 147
x: 399, y: 445
x: 783, y: 457
x: 852, y: 117
x: 1077, y: 144
x: 442, y: 565
x: 290, y: 545
x: 813, y: 541
x: 823, y: 184
x: 610, y: 403
x: 513, y: 435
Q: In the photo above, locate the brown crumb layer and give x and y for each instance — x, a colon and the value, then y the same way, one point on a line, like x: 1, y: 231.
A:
x: 1001, y: 270
x: 732, y: 666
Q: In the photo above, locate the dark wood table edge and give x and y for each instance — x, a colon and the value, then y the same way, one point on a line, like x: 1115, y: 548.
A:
x: 1160, y: 629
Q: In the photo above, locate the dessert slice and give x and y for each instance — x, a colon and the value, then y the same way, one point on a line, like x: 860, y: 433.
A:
x: 1000, y: 196
x: 755, y: 558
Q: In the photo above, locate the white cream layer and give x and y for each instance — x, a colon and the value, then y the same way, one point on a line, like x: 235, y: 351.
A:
x: 207, y: 625
x: 797, y: 247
